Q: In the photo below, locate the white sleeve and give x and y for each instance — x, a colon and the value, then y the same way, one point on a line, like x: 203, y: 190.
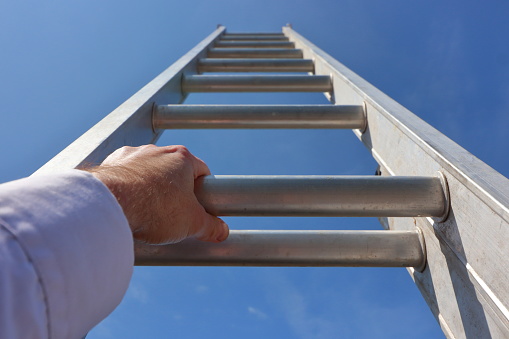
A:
x: 66, y: 255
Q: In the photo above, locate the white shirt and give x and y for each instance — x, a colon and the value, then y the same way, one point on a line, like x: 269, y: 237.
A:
x: 66, y: 255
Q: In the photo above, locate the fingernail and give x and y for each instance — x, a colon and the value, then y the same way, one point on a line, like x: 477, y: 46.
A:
x: 224, y: 233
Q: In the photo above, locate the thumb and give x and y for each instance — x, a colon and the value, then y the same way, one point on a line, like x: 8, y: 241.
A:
x: 210, y: 228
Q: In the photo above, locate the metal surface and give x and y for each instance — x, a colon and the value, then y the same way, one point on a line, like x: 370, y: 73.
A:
x: 340, y: 196
x: 253, y: 38
x: 466, y: 282
x: 255, y: 65
x: 292, y: 248
x: 255, y: 44
x: 131, y: 123
x: 256, y: 83
x: 268, y: 34
x: 258, y: 116
x: 254, y: 53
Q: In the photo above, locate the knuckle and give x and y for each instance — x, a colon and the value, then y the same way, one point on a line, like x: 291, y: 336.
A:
x: 148, y: 147
x: 122, y: 151
x: 183, y: 149
x: 176, y: 149
x: 125, y: 149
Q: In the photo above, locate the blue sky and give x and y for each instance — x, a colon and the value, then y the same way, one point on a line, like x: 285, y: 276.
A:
x: 66, y: 64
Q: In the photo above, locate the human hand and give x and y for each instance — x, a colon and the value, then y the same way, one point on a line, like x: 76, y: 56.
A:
x: 155, y: 187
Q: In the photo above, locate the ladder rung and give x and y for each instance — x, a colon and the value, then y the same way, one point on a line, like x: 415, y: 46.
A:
x: 340, y: 196
x: 293, y: 248
x: 255, y: 53
x: 258, y: 116
x: 255, y: 65
x: 254, y: 38
x: 256, y: 83
x: 253, y: 33
x: 255, y: 44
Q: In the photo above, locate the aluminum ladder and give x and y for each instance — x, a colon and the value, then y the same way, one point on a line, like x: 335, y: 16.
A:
x: 445, y: 212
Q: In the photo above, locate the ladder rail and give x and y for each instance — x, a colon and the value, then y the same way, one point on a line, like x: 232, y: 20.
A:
x: 455, y: 159
x: 471, y: 245
x: 130, y: 124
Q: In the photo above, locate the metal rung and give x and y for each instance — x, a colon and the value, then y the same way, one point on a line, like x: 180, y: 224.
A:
x: 341, y: 196
x: 255, y: 65
x: 255, y: 53
x: 255, y: 44
x: 253, y: 38
x: 258, y: 116
x: 256, y: 83
x: 293, y: 248
x: 251, y: 34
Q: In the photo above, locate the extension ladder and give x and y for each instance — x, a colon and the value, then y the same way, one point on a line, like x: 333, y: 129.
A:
x: 445, y: 213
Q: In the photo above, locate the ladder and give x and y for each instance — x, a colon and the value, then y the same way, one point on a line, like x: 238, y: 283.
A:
x: 445, y: 213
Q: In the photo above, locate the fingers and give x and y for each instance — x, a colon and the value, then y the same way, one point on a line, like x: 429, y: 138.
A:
x: 213, y: 230
x: 199, y: 167
x: 207, y: 227
x: 167, y: 210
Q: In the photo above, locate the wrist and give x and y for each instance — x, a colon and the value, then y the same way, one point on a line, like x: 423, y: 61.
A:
x: 119, y: 181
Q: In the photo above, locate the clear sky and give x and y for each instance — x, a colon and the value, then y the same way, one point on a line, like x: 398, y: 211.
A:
x: 66, y: 64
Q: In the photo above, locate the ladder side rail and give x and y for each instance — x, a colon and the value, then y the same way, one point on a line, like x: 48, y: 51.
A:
x: 466, y: 282
x: 130, y: 124
x: 455, y: 159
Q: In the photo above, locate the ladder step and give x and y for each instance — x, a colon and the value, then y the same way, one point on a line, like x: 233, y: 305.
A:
x: 320, y: 196
x: 258, y: 116
x: 255, y: 65
x: 255, y: 44
x: 279, y: 34
x: 254, y: 37
x: 293, y: 248
x: 256, y: 83
x: 255, y: 53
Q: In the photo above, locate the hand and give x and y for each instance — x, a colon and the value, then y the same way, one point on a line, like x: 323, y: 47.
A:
x: 155, y: 187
